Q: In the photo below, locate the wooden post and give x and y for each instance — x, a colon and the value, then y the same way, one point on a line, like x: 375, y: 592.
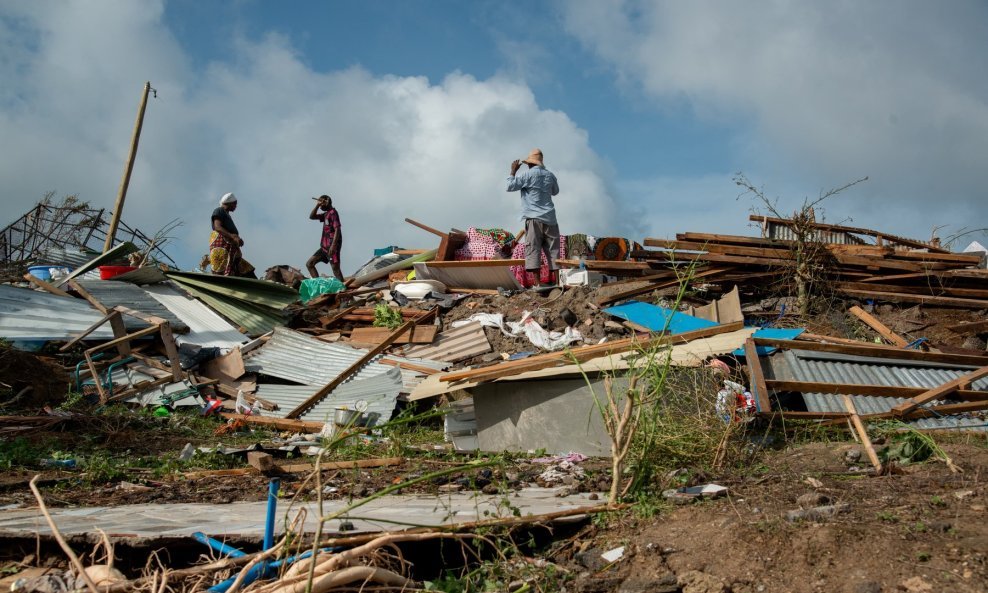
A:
x: 122, y: 193
x: 859, y: 427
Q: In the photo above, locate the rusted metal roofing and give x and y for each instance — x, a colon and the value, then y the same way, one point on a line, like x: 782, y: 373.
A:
x: 826, y: 367
x: 455, y: 344
x: 482, y: 277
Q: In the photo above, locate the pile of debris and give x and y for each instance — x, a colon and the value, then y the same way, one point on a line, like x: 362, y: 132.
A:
x: 518, y: 366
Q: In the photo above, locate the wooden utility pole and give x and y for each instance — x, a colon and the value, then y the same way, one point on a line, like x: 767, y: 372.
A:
x: 122, y: 194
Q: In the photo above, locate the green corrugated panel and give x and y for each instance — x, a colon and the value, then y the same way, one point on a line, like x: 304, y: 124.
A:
x: 254, y: 320
x: 117, y: 253
x: 258, y: 292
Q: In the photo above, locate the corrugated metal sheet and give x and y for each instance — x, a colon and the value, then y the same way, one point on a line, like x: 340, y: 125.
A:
x: 454, y: 345
x: 60, y: 256
x: 253, y: 320
x: 142, y: 276
x: 257, y: 292
x: 798, y: 365
x: 380, y: 393
x: 779, y: 231
x: 127, y: 377
x: 111, y: 293
x: 296, y: 357
x: 483, y: 277
x: 118, y: 253
x: 29, y: 315
x: 206, y: 328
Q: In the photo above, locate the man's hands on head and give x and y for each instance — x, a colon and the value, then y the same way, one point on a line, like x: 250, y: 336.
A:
x: 515, y: 165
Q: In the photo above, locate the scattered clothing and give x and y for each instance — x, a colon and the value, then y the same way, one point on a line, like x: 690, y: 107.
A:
x: 484, y: 244
x: 527, y: 326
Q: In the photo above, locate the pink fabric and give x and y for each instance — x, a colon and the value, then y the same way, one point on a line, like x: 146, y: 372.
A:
x: 526, y: 279
x: 478, y: 247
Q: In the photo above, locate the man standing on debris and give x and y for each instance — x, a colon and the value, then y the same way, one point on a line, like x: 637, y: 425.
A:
x: 225, y: 257
x: 332, y: 237
x: 537, y: 186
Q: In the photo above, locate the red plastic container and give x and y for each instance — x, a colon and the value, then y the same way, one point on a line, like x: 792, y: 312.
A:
x: 107, y: 272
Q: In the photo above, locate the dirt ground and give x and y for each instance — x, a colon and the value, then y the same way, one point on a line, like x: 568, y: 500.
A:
x: 923, y: 530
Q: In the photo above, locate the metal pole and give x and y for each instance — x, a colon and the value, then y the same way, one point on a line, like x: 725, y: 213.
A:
x: 122, y: 194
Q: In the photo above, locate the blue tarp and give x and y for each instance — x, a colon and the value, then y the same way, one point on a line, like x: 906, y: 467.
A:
x: 771, y: 333
x: 655, y: 318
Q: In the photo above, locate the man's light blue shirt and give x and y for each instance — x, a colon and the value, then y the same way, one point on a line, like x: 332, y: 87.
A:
x: 537, y: 186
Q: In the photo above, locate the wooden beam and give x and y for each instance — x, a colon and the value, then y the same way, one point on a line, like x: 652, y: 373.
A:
x: 899, y: 297
x: 974, y: 327
x: 44, y: 285
x: 329, y: 320
x: 928, y: 290
x: 853, y: 230
x: 119, y: 331
x: 86, y: 332
x: 138, y: 334
x: 807, y: 336
x: 85, y: 294
x: 757, y: 377
x: 438, y: 233
x: 355, y: 464
x: 658, y: 286
x: 150, y: 319
x: 940, y: 392
x: 277, y: 423
x: 865, y: 389
x: 913, y: 355
x: 862, y: 434
x: 353, y: 368
x: 883, y: 330
x: 583, y: 354
x: 479, y: 263
x: 171, y: 350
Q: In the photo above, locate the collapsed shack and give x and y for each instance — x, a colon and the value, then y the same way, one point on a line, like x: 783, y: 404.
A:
x: 898, y: 337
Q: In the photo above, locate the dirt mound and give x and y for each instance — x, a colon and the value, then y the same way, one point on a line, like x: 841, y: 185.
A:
x: 19, y: 370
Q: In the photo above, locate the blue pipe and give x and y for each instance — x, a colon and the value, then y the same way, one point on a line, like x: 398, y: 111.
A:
x: 260, y: 571
x: 273, y: 487
x: 217, y: 545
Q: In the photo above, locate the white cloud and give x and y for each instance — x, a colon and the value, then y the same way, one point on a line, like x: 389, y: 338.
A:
x: 829, y: 91
x: 263, y: 124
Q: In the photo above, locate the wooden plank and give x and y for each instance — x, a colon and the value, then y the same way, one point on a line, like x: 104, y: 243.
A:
x: 898, y: 297
x: 680, y: 256
x: 410, y: 366
x: 940, y: 392
x: 480, y: 291
x: 974, y: 327
x: 658, y: 286
x: 853, y: 230
x: 551, y: 359
x: 363, y: 360
x: 229, y: 367
x: 85, y: 294
x: 479, y: 263
x: 429, y: 229
x: 757, y: 377
x: 151, y: 319
x: 736, y: 250
x: 171, y: 351
x: 138, y: 334
x: 928, y: 290
x: 420, y: 334
x: 898, y: 354
x: 329, y: 320
x: 277, y: 423
x: 835, y: 340
x: 119, y: 331
x: 862, y: 434
x: 44, y: 285
x: 864, y: 389
x: 883, y: 330
x: 355, y: 464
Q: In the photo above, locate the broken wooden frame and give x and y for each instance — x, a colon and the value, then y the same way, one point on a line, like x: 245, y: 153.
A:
x: 359, y: 363
x: 959, y: 388
x: 122, y: 342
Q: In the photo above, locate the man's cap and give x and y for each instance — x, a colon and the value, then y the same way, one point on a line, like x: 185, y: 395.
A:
x: 534, y: 157
x: 228, y: 198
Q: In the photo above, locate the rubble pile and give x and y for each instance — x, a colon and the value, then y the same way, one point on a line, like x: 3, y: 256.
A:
x: 461, y: 320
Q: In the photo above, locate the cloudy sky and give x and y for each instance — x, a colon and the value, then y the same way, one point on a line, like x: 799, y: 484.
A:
x: 644, y: 110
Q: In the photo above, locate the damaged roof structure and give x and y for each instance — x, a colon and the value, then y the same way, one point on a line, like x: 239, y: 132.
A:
x: 463, y: 328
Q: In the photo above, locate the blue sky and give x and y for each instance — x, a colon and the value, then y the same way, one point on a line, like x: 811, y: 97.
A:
x: 644, y: 109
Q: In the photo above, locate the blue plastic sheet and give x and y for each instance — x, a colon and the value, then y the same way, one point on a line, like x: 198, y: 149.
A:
x: 771, y: 333
x: 656, y: 318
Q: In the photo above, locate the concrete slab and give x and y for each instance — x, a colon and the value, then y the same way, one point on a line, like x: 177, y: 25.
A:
x: 246, y: 519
